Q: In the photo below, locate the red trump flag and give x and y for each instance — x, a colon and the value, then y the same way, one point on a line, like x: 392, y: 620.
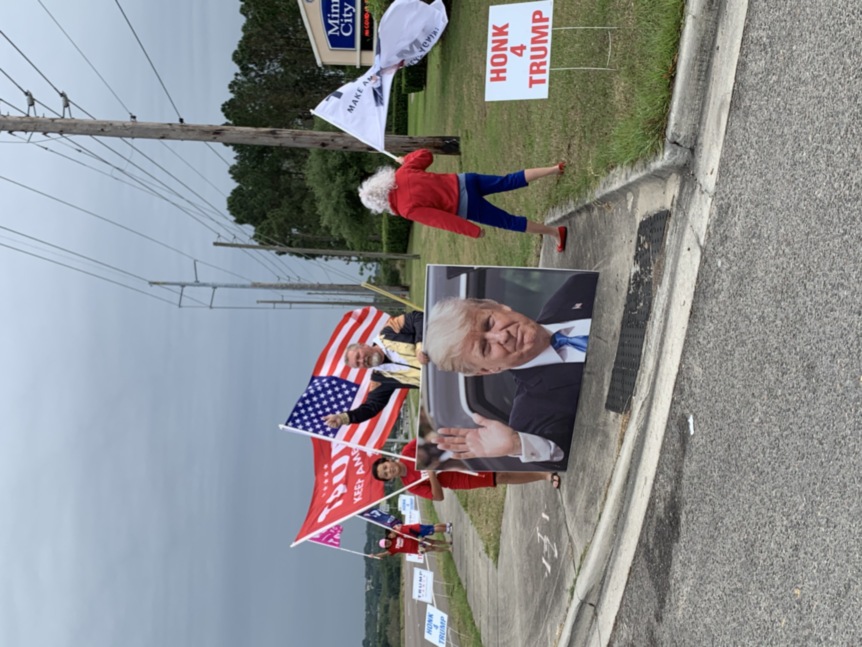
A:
x: 343, y: 487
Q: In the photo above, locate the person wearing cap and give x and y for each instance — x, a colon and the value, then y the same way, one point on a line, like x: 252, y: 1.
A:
x: 394, y: 543
x: 420, y: 530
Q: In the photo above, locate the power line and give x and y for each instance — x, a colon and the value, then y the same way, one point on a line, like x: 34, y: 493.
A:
x: 24, y: 56
x: 144, y: 187
x: 165, y: 186
x: 114, y: 223
x: 145, y: 172
x: 119, y: 270
x: 125, y: 107
x: 193, y: 169
x: 200, y: 210
x: 158, y: 76
x: 122, y: 103
x: 267, y: 264
x: 325, y: 269
x: 140, y: 185
x: 33, y: 65
x: 132, y: 288
x: 92, y: 67
x: 217, y: 154
x: 82, y: 271
x: 23, y: 91
x: 144, y: 50
x: 272, y: 268
x: 258, y: 260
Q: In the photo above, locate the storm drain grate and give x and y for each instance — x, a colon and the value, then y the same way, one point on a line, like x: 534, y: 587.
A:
x: 650, y: 246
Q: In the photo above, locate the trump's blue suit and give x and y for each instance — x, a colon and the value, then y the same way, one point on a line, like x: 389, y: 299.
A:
x: 546, y: 397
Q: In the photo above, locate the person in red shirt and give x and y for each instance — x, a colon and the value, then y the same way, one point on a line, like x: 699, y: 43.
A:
x: 450, y: 201
x: 386, y: 469
x: 420, y: 530
x: 395, y: 543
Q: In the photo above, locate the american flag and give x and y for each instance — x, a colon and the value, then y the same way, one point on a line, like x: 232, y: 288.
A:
x: 335, y: 387
x: 324, y: 395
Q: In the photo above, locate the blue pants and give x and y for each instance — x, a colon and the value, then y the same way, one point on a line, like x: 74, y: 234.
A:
x: 424, y: 530
x: 481, y: 211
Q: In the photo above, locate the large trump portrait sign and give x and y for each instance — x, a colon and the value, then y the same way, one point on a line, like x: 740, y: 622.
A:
x: 507, y: 347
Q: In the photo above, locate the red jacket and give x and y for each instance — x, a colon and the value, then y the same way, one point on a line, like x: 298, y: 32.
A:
x: 428, y: 198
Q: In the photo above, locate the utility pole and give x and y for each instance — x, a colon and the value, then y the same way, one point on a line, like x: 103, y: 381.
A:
x: 395, y: 144
x: 351, y: 288
x: 355, y: 304
x: 343, y: 289
x: 320, y: 252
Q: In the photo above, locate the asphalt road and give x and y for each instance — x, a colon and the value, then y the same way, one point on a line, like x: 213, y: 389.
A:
x: 754, y: 530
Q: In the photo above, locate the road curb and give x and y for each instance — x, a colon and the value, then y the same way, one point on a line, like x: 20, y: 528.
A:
x: 685, y: 120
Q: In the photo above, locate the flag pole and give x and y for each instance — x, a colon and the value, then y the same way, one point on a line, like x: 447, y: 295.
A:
x: 345, y: 518
x: 364, y: 448
x: 390, y: 529
x: 389, y: 295
x: 389, y: 496
x: 346, y: 550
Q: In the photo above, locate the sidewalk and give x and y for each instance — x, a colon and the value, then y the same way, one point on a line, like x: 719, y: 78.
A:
x: 642, y: 231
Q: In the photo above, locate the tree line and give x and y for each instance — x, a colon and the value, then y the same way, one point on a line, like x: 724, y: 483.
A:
x: 297, y: 197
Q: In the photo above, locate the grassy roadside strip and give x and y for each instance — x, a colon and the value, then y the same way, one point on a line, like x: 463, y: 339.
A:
x: 460, y: 613
x: 485, y: 508
x: 595, y: 120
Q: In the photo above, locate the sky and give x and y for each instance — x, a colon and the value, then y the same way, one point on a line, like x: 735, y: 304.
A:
x: 147, y: 496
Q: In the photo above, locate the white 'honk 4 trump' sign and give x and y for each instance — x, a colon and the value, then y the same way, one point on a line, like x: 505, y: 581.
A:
x: 519, y: 51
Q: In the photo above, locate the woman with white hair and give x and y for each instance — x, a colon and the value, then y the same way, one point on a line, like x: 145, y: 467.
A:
x: 453, y: 201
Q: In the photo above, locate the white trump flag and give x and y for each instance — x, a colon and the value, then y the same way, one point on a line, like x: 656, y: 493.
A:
x: 407, y: 31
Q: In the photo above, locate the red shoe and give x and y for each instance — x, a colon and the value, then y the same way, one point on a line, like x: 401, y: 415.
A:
x: 564, y: 234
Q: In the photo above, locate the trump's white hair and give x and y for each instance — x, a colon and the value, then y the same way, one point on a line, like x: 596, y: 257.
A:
x: 449, y: 324
x: 374, y: 192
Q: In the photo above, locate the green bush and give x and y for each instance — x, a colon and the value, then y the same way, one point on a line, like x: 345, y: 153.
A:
x: 333, y: 177
x: 413, y: 77
x: 395, y: 233
x: 398, y: 118
x: 378, y: 7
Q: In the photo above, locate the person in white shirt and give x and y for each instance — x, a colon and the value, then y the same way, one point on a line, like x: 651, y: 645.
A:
x: 394, y: 357
x: 546, y: 357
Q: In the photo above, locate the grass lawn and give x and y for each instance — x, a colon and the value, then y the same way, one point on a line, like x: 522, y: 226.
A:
x: 595, y: 120
x: 485, y: 509
x: 459, y: 608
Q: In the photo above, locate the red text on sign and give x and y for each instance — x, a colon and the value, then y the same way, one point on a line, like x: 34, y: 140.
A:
x: 539, y: 49
x: 499, y: 57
